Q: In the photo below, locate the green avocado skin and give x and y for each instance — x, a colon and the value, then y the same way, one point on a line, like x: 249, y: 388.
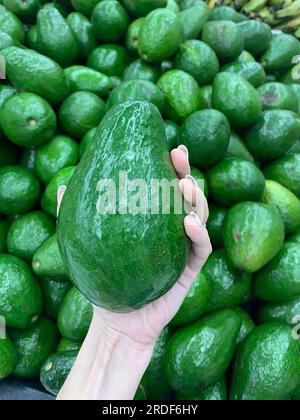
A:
x: 276, y: 95
x: 53, y: 293
x: 280, y: 279
x: 4, y: 228
x: 109, y: 59
x: 143, y: 7
x: 247, y: 324
x: 286, y: 171
x: 193, y: 20
x: 8, y: 358
x: 56, y: 369
x: 198, y: 355
x: 217, y: 392
x: 267, y: 365
x: 83, y: 78
x: 33, y: 72
x: 285, y: 312
x: 279, y: 55
x: 11, y: 24
x: 102, y: 272
x: 253, y: 72
x: 253, y: 234
x: 257, y: 36
x: 83, y: 33
x: 215, y: 222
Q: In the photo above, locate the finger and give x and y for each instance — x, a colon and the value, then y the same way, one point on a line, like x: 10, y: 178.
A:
x: 60, y: 194
x: 195, y: 197
x: 180, y: 160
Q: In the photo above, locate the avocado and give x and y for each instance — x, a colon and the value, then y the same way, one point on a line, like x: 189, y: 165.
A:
x: 75, y: 316
x: 67, y: 345
x: 4, y: 228
x: 139, y: 70
x: 237, y: 149
x: 61, y: 152
x: 278, y: 96
x: 8, y: 152
x: 53, y: 293
x: 247, y: 324
x: 45, y: 78
x: 55, y: 38
x: 229, y: 287
x: 197, y: 59
x: 85, y: 7
x: 257, y: 36
x: 49, y: 198
x: 296, y: 237
x: 11, y: 24
x: 285, y: 312
x: 28, y: 159
x: 198, y: 355
x: 160, y: 35
x: 26, y: 11
x: 6, y: 91
x: 109, y: 59
x: 267, y: 365
x: 245, y: 57
x: 21, y: 298
x: 234, y: 180
x: 80, y: 112
x: 28, y: 120
x: 237, y: 99
x: 282, y: 49
x: 173, y: 5
x: 28, y: 233
x: 290, y: 76
x: 110, y: 21
x: 296, y: 91
x: 215, y: 224
x: 6, y: 41
x: 20, y: 190
x: 158, y: 269
x: 253, y: 234
x: 225, y: 38
x: 33, y: 347
x: 187, y: 4
x: 253, y: 72
x: 83, y: 33
x: 279, y: 280
x: 206, y: 134
x: 206, y: 96
x: 286, y: 171
x: 8, y: 357
x: 47, y: 261
x: 142, y: 7
x: 195, y: 303
x: 31, y: 38
x: 287, y: 203
x: 193, y: 20
x: 132, y: 36
x: 273, y: 135
x: 56, y: 369
x: 216, y: 392
x: 182, y: 94
x: 154, y: 381
x: 136, y: 90
x: 172, y: 134
x: 87, y: 141
x: 82, y: 78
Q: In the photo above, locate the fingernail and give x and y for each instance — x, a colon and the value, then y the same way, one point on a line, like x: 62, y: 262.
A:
x: 185, y: 149
x: 197, y: 218
x: 193, y: 179
x: 60, y: 193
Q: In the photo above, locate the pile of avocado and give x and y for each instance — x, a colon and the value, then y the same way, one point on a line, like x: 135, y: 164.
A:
x: 227, y: 89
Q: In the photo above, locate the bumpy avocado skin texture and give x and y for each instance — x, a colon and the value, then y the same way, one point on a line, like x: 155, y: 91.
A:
x: 143, y: 7
x: 11, y: 24
x: 136, y: 90
x: 55, y: 38
x: 87, y: 141
x: 267, y: 365
x: 139, y: 70
x: 276, y: 95
x: 286, y: 312
x: 33, y: 346
x: 75, y: 316
x: 160, y: 35
x: 56, y: 369
x: 279, y: 55
x: 36, y: 73
x: 217, y: 392
x: 53, y: 293
x: 257, y: 36
x: 195, y: 303
x: 280, y: 279
x: 253, y: 72
x: 237, y: 99
x: 253, y: 234
x: 8, y: 357
x: 238, y: 149
x: 198, y: 355
x: 275, y: 134
x: 83, y: 33
x: 116, y: 235
x: 21, y: 300
x: 234, y: 180
x: 286, y: 171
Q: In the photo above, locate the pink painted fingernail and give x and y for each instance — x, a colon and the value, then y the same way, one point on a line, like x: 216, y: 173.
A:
x: 197, y: 218
x: 193, y: 179
x: 60, y: 194
x: 185, y: 149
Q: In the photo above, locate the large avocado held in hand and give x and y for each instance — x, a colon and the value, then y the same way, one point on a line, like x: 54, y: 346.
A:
x: 206, y: 134
x: 273, y: 135
x: 55, y: 38
x: 280, y: 279
x: 160, y: 35
x: 237, y: 99
x: 282, y: 49
x: 267, y: 365
x: 225, y: 38
x: 33, y: 72
x: 106, y: 272
x: 21, y: 298
x: 287, y: 203
x: 257, y: 36
x: 286, y: 171
x: 198, y: 355
x: 143, y: 7
x: 253, y: 234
